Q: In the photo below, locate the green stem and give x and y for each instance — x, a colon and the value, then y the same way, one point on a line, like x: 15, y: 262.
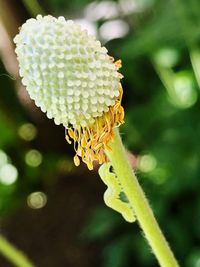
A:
x: 138, y: 201
x: 195, y: 60
x: 13, y: 254
x: 33, y: 7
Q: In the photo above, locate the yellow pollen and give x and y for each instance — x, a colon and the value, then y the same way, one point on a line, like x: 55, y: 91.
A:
x: 91, y: 141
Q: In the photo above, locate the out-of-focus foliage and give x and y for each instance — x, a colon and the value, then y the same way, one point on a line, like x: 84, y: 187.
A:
x: 158, y: 42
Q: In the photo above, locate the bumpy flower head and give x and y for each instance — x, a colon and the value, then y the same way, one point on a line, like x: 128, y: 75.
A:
x: 73, y: 79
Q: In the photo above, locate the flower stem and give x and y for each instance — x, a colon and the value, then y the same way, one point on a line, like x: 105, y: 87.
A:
x: 13, y: 254
x: 138, y: 201
x: 34, y: 7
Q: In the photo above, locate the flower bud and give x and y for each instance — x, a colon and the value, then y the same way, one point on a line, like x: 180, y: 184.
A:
x: 71, y: 77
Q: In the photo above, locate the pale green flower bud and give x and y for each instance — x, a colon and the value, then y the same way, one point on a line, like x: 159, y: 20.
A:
x: 73, y: 79
x: 66, y: 71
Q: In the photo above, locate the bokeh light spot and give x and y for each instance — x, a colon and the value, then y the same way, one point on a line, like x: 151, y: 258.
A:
x: 131, y: 6
x: 167, y: 57
x: 147, y: 163
x: 8, y: 174
x: 197, y: 263
x: 27, y: 131
x: 3, y: 158
x: 119, y: 29
x: 33, y: 158
x: 37, y: 200
x: 185, y: 94
x: 101, y: 10
x: 194, y: 258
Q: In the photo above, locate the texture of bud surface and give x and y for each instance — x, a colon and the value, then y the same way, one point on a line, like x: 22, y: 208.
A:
x: 66, y: 71
x: 73, y: 79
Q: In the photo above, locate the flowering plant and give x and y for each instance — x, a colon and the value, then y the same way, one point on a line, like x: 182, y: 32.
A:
x: 71, y: 78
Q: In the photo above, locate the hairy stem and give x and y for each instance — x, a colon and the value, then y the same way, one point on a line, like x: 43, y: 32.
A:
x: 139, y: 203
x: 13, y: 255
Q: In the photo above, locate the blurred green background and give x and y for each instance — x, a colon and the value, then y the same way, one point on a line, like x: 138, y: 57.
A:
x: 53, y: 211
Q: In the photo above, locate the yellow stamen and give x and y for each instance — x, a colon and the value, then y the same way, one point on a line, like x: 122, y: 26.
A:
x: 91, y: 141
x: 76, y: 160
x: 67, y: 139
x: 118, y: 63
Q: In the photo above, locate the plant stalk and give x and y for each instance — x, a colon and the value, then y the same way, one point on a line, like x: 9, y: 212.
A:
x: 13, y: 255
x: 34, y: 7
x: 139, y: 203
